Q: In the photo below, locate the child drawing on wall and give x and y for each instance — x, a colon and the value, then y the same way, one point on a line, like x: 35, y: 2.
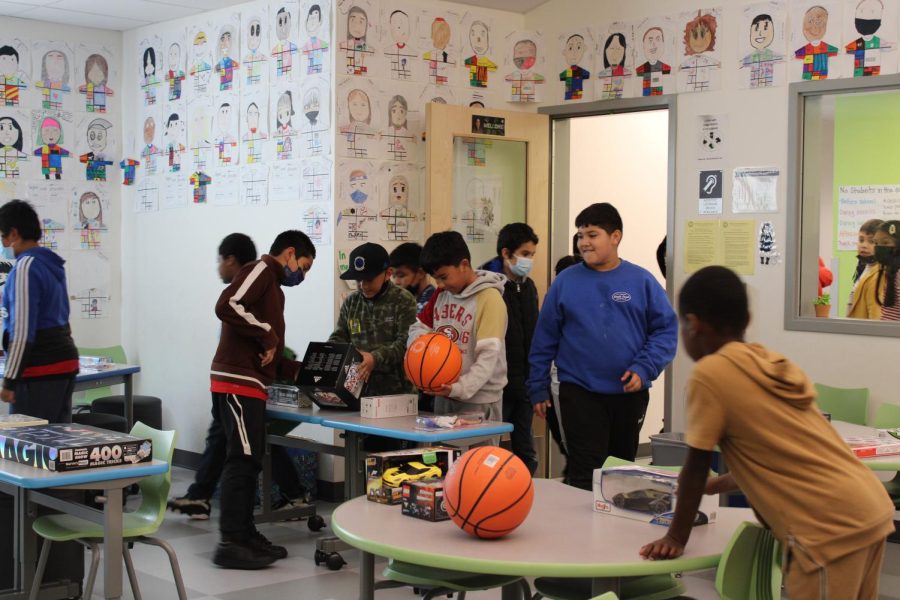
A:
x: 867, y: 48
x: 150, y: 151
x: 397, y: 133
x: 225, y: 141
x: 653, y: 69
x: 355, y: 47
x: 254, y: 135
x: 358, y: 131
x: 226, y: 66
x: 90, y: 220
x: 254, y: 60
x: 438, y: 60
x: 817, y: 52
x: 315, y: 48
x: 95, y: 88
x: 284, y: 112
x: 201, y: 69
x: 399, y: 53
x: 284, y: 50
x: 524, y: 80
x: 11, y: 82
x: 397, y: 217
x: 149, y: 79
x: 313, y: 130
x: 49, y: 149
x: 200, y: 132
x: 573, y: 76
x: 761, y: 61
x: 479, y: 64
x: 11, y: 143
x: 614, y: 73
x: 699, y: 43
x: 175, y: 135
x: 175, y: 74
x: 95, y: 159
x: 54, y: 82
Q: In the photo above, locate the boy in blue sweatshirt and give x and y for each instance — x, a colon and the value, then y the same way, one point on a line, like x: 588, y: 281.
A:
x: 611, y: 331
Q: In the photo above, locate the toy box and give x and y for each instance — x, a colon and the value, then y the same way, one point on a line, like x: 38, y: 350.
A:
x: 287, y: 395
x: 424, y: 500
x: 387, y: 471
x: 16, y: 420
x: 644, y: 494
x: 394, y: 405
x: 329, y: 376
x: 882, y: 442
x: 69, y: 447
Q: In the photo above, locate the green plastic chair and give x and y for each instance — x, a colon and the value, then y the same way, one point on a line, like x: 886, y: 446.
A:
x: 647, y: 587
x: 888, y: 417
x: 606, y: 596
x: 137, y: 526
x: 440, y: 582
x: 115, y: 354
x: 850, y: 405
x: 750, y: 568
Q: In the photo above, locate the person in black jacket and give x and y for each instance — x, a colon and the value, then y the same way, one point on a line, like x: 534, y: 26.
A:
x: 516, y: 247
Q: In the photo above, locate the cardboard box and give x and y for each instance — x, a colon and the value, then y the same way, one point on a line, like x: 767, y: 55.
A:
x: 644, y: 494
x: 424, y: 500
x: 870, y: 447
x: 329, y: 376
x: 395, y: 405
x: 387, y: 471
x: 287, y: 395
x: 70, y: 447
x: 15, y: 421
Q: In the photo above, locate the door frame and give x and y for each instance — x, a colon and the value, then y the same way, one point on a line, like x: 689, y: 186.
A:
x: 612, y: 107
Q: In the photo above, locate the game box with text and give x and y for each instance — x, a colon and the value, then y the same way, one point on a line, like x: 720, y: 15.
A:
x: 330, y: 375
x: 70, y: 447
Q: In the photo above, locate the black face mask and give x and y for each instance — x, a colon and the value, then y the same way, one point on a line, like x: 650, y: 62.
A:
x: 866, y: 260
x: 312, y: 115
x: 868, y: 26
x: 412, y: 290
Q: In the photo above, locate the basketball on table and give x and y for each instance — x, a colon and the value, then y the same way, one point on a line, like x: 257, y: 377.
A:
x: 431, y: 361
x: 488, y: 492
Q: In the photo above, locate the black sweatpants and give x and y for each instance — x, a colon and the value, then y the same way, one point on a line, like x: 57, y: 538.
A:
x: 45, y: 398
x: 243, y: 420
x: 519, y: 412
x: 597, y: 426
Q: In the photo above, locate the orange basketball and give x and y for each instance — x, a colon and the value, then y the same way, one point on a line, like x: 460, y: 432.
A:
x: 488, y: 492
x: 432, y: 361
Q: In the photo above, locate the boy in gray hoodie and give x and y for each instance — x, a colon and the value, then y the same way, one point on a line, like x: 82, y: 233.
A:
x: 468, y: 308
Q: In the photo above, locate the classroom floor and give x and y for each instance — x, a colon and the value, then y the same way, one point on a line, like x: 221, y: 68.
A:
x: 298, y: 578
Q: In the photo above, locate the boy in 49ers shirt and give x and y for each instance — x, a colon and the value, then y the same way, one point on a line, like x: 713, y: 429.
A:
x: 468, y: 308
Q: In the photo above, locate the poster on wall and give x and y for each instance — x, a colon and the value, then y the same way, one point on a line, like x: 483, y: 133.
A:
x: 149, y: 68
x: 254, y: 185
x: 227, y: 65
x: 315, y: 121
x: 316, y: 220
x: 284, y: 56
x: 88, y: 216
x: 315, y: 183
x: 712, y: 137
x: 227, y: 191
x: 655, y: 55
x: 438, y: 33
x: 96, y: 147
x: 200, y: 62
x: 400, y: 41
x: 356, y: 201
x: 54, y: 76
x: 315, y: 36
x: 200, y: 136
x: 283, y: 178
x: 255, y: 46
x: 92, y: 77
x: 400, y: 213
x: 357, y: 34
x: 479, y: 217
x: 870, y: 38
x: 89, y: 277
x: 15, y: 145
x: 15, y: 73
x: 358, y: 103
x: 174, y: 141
x: 614, y: 61
x: 285, y: 131
x: 762, y: 50
x: 254, y: 115
x: 479, y: 55
x: 401, y: 124
x: 226, y: 131
x: 146, y: 196
x: 574, y: 58
x: 700, y: 64
x: 176, y: 61
x: 815, y: 40
x: 755, y: 190
x: 51, y: 201
x: 148, y: 145
x: 175, y: 191
x: 52, y: 133
x: 524, y: 71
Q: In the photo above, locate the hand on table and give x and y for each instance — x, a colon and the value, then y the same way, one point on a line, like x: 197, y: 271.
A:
x: 632, y: 381
x: 540, y: 409
x: 8, y: 396
x: 367, y: 365
x: 662, y: 549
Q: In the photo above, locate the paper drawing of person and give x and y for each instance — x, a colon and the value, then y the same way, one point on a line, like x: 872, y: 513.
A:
x: 284, y: 50
x: 175, y: 74
x: 612, y: 77
x: 524, y: 80
x: 699, y: 42
x: 95, y: 88
x: 358, y: 131
x: 816, y: 53
x: 54, y: 82
x: 761, y: 61
x: 653, y: 69
x: 254, y: 135
x: 315, y: 48
x: 314, y: 129
x: 49, y: 149
x: 355, y: 47
x: 201, y: 69
x: 225, y: 141
x: 149, y: 79
x: 438, y: 59
x: 150, y: 150
x: 226, y: 66
x: 129, y: 170
x: 11, y: 84
x: 397, y: 217
x: 399, y: 52
x: 175, y: 134
x: 10, y: 148
x: 199, y: 181
x: 95, y: 159
x: 397, y: 133
x: 284, y: 112
x: 90, y: 220
x: 866, y: 49
x: 254, y: 60
x: 479, y: 64
x: 573, y: 76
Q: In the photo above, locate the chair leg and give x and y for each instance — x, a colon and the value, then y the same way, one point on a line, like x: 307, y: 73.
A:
x: 94, y: 547
x: 526, y: 589
x: 173, y: 560
x: 132, y: 576
x: 39, y: 572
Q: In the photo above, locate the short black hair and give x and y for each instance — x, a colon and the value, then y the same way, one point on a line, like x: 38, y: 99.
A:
x: 718, y: 297
x: 295, y: 239
x: 9, y: 51
x: 21, y: 216
x: 407, y: 254
x: 565, y: 262
x: 513, y: 235
x: 760, y: 18
x: 238, y: 245
x: 575, y: 249
x: 444, y: 249
x: 600, y: 214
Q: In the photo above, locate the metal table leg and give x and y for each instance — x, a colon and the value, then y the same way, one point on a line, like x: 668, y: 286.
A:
x: 112, y: 542
x: 129, y: 401
x: 366, y: 576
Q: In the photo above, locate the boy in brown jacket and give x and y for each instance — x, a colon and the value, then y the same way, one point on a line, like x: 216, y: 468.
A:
x: 248, y: 359
x: 828, y: 510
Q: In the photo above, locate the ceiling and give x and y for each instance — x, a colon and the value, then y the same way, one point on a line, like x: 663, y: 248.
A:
x: 122, y: 15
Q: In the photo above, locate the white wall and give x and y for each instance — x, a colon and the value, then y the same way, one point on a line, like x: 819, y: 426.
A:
x: 758, y: 137
x: 624, y: 160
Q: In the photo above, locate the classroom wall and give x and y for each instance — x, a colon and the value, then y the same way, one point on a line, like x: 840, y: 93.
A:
x: 757, y: 130
x: 95, y: 266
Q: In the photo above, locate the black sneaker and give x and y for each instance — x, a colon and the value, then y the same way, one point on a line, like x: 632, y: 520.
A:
x: 195, y: 509
x: 235, y: 555
x: 263, y: 544
x: 286, y: 506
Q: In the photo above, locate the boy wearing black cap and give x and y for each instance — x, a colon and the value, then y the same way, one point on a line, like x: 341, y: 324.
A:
x: 376, y: 319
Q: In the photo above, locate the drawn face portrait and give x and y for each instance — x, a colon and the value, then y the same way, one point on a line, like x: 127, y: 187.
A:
x: 253, y: 118
x: 653, y: 44
x: 174, y: 56
x: 175, y: 128
x: 440, y: 33
x: 254, y: 35
x: 311, y: 106
x: 94, y: 72
x: 614, y: 53
x: 10, y: 133
x: 51, y: 131
x: 359, y: 186
x: 149, y: 62
x: 359, y: 106
x: 200, y: 125
x: 9, y: 64
x: 699, y: 38
x: 89, y: 208
x: 224, y: 118
x: 55, y: 65
x: 225, y: 44
x: 313, y: 20
x: 815, y: 24
x: 762, y: 32
x: 398, y: 113
x: 357, y: 23
x: 283, y: 24
x: 97, y: 137
x: 149, y: 130
x: 868, y: 17
x: 399, y: 23
x: 524, y: 54
x: 284, y: 110
x: 478, y: 37
x: 574, y: 50
x: 399, y: 191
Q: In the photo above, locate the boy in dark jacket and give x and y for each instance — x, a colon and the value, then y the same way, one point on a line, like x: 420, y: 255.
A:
x: 516, y: 246
x: 41, y: 357
x: 248, y: 359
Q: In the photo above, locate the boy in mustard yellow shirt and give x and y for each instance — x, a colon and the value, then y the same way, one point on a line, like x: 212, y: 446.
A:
x: 830, y: 512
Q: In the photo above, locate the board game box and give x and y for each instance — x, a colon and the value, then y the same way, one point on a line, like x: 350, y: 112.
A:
x: 70, y: 447
x: 330, y: 375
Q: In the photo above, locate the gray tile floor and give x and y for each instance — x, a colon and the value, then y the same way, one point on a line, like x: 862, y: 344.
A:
x: 298, y: 578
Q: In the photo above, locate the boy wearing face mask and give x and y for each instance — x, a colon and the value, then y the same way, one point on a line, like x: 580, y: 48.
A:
x: 409, y: 274
x: 249, y: 358
x: 516, y: 247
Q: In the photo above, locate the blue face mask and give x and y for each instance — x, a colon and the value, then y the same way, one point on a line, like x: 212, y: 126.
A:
x: 7, y: 253
x: 522, y: 266
x: 359, y: 196
x: 292, y: 278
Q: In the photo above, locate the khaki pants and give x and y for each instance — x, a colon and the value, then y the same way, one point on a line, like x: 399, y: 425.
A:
x: 851, y: 577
